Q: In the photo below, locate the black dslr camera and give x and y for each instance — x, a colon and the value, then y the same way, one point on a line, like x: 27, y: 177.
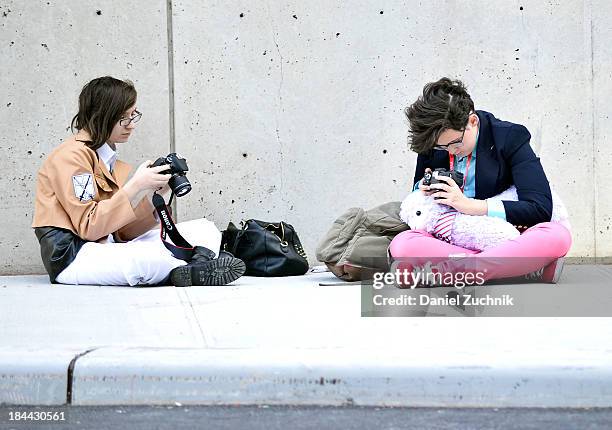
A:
x: 430, y: 177
x: 178, y: 169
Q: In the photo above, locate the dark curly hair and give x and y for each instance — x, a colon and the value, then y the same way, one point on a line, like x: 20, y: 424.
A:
x: 102, y: 103
x: 445, y: 104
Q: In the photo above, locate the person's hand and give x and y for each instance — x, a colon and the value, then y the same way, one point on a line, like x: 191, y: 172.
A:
x: 144, y: 181
x: 150, y: 178
x: 449, y: 193
x: 425, y: 189
x: 164, y: 191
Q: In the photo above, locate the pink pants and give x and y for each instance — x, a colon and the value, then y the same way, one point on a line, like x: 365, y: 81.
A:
x: 537, y: 247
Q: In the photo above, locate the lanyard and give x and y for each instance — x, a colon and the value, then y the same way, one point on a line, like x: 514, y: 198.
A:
x: 451, y: 158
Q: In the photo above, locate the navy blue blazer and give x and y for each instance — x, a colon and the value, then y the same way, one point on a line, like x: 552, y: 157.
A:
x: 503, y: 158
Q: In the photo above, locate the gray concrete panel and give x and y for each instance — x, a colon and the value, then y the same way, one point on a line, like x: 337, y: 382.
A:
x: 533, y: 67
x: 601, y: 186
x: 312, y: 93
x: 86, y: 316
x: 49, y: 50
x: 226, y: 102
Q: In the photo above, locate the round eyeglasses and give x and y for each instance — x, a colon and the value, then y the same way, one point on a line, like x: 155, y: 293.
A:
x: 124, y: 122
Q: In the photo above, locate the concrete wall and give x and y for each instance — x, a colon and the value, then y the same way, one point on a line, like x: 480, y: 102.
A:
x: 293, y: 110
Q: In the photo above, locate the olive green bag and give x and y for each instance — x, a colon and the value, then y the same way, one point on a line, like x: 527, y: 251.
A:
x: 359, y: 239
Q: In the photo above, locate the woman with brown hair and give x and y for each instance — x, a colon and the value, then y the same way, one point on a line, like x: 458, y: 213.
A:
x: 95, y: 226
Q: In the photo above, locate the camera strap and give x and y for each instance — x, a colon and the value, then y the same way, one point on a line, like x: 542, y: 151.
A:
x: 179, y: 247
x: 451, y: 159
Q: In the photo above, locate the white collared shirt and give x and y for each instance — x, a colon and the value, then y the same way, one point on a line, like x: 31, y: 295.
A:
x: 108, y: 156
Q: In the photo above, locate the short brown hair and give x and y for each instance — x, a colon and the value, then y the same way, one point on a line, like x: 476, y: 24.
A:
x: 445, y: 104
x: 102, y: 103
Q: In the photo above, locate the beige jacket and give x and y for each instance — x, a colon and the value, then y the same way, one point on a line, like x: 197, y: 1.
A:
x: 76, y: 191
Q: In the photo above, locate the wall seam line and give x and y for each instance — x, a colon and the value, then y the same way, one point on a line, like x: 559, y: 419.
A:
x: 171, y: 104
x: 593, y: 118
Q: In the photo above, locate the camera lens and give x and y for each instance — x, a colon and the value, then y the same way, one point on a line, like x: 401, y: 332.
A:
x: 180, y: 185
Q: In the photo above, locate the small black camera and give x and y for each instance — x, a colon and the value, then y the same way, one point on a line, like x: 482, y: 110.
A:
x: 177, y: 167
x: 430, y: 177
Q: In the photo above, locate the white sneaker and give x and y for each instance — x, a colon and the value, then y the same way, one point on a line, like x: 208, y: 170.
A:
x: 548, y: 274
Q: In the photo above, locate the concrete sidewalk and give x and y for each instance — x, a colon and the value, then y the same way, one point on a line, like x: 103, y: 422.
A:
x: 288, y: 341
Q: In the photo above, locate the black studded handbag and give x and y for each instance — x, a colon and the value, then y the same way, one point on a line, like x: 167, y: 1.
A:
x: 267, y: 248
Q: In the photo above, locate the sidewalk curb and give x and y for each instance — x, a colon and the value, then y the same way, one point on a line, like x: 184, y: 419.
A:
x: 34, y: 376
x: 139, y: 376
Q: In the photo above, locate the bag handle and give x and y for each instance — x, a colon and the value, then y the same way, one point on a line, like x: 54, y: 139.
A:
x: 281, y: 226
x: 282, y: 240
x: 232, y: 245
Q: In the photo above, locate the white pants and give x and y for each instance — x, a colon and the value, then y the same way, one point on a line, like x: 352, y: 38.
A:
x: 142, y: 261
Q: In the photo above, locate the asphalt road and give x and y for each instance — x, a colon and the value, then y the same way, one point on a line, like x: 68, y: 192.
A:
x: 307, y: 417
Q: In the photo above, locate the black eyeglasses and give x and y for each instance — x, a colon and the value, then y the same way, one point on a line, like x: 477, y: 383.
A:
x: 457, y: 142
x: 454, y: 143
x: 124, y: 122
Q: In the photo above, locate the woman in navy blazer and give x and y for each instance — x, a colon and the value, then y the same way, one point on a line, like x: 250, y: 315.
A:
x: 447, y: 132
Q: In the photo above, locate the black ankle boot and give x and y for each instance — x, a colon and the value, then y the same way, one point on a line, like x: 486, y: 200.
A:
x: 205, y: 269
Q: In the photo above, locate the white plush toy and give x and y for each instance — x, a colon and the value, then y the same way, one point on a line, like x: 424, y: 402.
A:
x: 422, y: 212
